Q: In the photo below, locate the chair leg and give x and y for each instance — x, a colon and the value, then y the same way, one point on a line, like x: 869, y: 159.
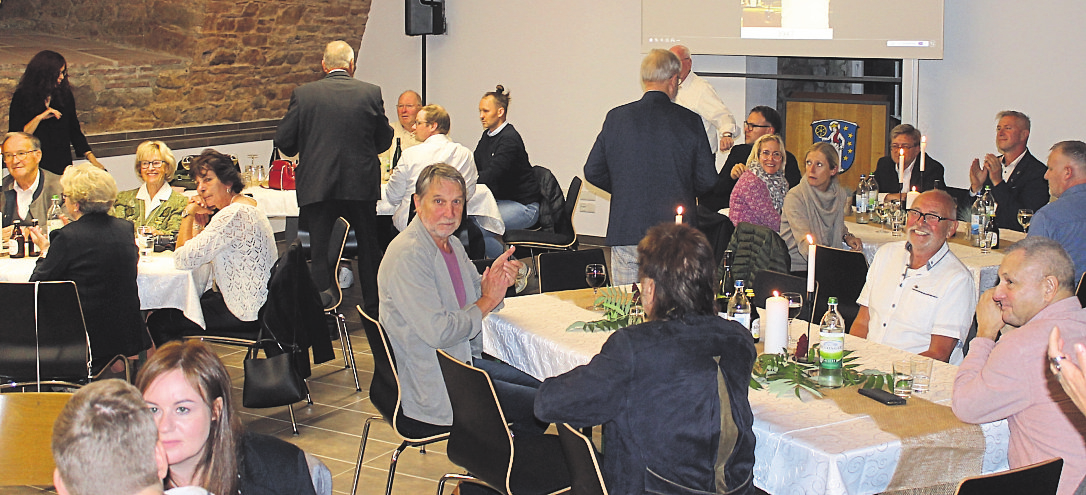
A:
x: 453, y: 476
x: 361, y: 452
x: 341, y: 328
x: 392, y: 467
x: 349, y: 352
x: 308, y: 397
x: 293, y: 423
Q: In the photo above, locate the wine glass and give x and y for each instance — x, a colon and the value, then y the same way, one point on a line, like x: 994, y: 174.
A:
x: 595, y: 275
x: 1025, y: 216
x: 795, y: 306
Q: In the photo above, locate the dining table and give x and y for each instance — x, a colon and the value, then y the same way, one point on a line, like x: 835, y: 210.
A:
x: 804, y: 445
x: 161, y: 285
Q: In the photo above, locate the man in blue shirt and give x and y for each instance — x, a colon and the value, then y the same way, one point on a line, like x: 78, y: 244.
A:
x: 1063, y: 220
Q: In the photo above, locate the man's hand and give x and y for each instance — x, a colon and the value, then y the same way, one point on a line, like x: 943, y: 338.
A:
x: 977, y: 174
x: 726, y: 143
x: 989, y: 316
x: 496, y: 279
x: 994, y: 166
x: 854, y: 243
x: 738, y: 170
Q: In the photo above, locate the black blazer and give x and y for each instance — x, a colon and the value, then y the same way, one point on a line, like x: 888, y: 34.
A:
x: 886, y: 175
x: 98, y: 252
x: 652, y: 156
x: 719, y: 197
x: 337, y: 126
x: 58, y: 136
x: 1025, y: 188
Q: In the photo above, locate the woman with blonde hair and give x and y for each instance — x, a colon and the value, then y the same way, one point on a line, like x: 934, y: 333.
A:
x: 154, y: 204
x: 758, y: 196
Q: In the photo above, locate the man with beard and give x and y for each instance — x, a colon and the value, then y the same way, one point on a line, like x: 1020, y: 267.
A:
x: 930, y: 308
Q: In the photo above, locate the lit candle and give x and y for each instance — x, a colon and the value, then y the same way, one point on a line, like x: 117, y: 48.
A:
x: 923, y: 150
x: 910, y: 197
x: 810, y: 264
x: 775, y: 328
x: 678, y: 215
x: 901, y: 165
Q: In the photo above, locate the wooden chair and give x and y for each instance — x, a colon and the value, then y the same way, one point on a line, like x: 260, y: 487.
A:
x: 481, y: 442
x: 26, y: 431
x: 583, y: 462
x: 565, y: 270
x: 385, y: 396
x: 1036, y: 479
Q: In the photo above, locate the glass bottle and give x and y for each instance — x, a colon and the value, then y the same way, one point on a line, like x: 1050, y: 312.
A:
x: 831, y: 347
x: 739, y: 306
x: 396, y: 155
x: 52, y: 220
x: 31, y: 248
x: 17, y: 242
x: 861, y: 200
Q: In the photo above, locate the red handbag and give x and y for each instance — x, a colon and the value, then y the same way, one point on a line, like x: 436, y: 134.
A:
x: 281, y: 175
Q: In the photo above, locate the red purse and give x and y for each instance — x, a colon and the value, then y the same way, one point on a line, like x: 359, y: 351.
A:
x: 281, y: 175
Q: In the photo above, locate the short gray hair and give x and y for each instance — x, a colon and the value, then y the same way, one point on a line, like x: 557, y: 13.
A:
x: 1074, y: 151
x: 439, y: 171
x: 1049, y: 256
x: 92, y: 188
x: 659, y: 65
x: 35, y: 143
x: 1016, y: 114
x: 338, y: 55
x: 907, y: 130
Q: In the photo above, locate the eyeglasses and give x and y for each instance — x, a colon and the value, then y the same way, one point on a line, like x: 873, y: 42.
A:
x: 11, y: 157
x: 905, y: 147
x: 421, y: 123
x: 928, y: 218
x: 152, y: 164
x: 775, y: 154
x: 754, y: 126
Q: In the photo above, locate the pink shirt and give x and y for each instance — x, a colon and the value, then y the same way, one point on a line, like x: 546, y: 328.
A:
x: 750, y: 202
x: 1011, y: 379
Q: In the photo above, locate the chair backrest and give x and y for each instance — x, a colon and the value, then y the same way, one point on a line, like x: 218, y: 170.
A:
x: 564, y: 270
x: 56, y: 345
x: 335, y: 253
x: 769, y: 281
x: 756, y: 248
x: 1081, y: 290
x: 480, y: 441
x: 26, y: 429
x: 1036, y: 479
x: 564, y: 225
x: 963, y: 200
x: 582, y: 461
x: 385, y: 386
x: 840, y: 273
x: 551, y: 203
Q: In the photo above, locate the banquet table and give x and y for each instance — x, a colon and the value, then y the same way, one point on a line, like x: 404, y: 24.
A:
x: 808, y: 446
x: 160, y: 284
x: 984, y: 267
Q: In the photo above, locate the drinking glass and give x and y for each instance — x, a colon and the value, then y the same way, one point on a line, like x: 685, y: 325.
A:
x: 795, y: 306
x: 595, y: 275
x: 921, y: 375
x: 636, y: 315
x: 903, y: 378
x: 1025, y: 216
x: 897, y: 218
x: 145, y: 240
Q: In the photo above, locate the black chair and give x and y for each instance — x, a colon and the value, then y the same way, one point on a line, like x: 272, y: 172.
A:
x: 718, y: 229
x: 43, y: 340
x: 1081, y: 290
x: 564, y: 237
x: 385, y: 396
x: 770, y: 281
x: 565, y: 270
x: 756, y: 248
x: 332, y: 296
x: 963, y: 200
x: 1041, y: 478
x: 481, y: 442
x: 839, y: 273
x: 582, y: 461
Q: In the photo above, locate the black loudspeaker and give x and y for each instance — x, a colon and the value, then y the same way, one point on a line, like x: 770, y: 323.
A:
x: 424, y: 17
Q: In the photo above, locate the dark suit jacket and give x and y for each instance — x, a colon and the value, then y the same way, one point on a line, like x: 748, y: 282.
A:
x: 48, y: 185
x: 719, y: 197
x: 98, y: 253
x: 337, y: 126
x: 1025, y: 188
x: 886, y: 174
x: 270, y: 466
x: 504, y: 167
x: 652, y: 156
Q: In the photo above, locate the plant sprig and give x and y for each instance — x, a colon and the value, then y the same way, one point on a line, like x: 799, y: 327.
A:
x: 782, y: 376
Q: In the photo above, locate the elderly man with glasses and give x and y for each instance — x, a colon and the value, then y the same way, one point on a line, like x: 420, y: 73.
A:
x: 888, y: 171
x: 919, y: 297
x: 407, y: 110
x: 27, y: 189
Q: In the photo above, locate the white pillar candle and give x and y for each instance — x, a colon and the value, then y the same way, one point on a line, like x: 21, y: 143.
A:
x: 679, y: 215
x: 775, y: 325
x: 910, y: 197
x: 810, y: 264
x: 901, y: 166
x: 923, y: 150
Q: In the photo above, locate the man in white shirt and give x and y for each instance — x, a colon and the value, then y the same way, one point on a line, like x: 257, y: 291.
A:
x: 698, y: 95
x: 27, y: 190
x: 1016, y: 176
x: 919, y: 297
x: 407, y: 109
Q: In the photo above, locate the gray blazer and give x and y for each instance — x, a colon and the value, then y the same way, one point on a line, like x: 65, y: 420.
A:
x: 337, y: 126
x: 49, y: 183
x: 420, y: 312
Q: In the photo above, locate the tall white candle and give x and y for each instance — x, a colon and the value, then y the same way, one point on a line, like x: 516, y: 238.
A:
x: 901, y: 165
x: 775, y: 325
x: 678, y: 215
x: 910, y: 197
x: 923, y: 150
x: 810, y: 264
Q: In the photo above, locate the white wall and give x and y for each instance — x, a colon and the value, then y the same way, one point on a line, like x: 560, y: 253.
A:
x: 568, y: 62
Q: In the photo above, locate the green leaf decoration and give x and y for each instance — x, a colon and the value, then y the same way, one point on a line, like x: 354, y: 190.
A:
x: 616, y: 302
x: 781, y: 376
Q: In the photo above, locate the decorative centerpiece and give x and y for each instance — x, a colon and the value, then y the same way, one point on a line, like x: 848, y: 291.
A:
x: 621, y: 309
x: 782, y: 376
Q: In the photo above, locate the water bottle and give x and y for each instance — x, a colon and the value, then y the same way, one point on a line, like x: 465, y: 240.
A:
x: 989, y: 205
x: 831, y: 350
x: 977, y: 215
x: 861, y: 199
x: 755, y: 326
x: 872, y: 193
x: 739, y: 305
x: 52, y: 220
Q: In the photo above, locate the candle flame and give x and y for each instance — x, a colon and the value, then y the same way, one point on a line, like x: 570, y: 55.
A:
x: 679, y: 210
x: 776, y: 294
x: 810, y: 239
x: 923, y: 139
x: 914, y: 188
x: 901, y: 151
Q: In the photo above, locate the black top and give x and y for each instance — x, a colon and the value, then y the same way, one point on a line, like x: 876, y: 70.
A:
x: 720, y: 195
x: 270, y: 466
x: 886, y: 175
x: 504, y: 167
x: 97, y: 252
x: 57, y: 136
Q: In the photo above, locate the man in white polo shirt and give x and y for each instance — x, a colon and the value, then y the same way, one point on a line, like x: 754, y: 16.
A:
x: 919, y: 297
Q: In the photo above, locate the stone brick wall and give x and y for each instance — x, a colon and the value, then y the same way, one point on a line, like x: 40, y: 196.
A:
x: 221, y: 61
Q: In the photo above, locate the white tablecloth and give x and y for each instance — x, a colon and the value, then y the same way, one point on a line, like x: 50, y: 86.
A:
x: 160, y: 284
x: 802, y: 447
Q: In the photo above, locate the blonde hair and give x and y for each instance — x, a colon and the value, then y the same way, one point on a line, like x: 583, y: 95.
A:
x: 147, y: 151
x: 757, y: 149
x: 92, y: 188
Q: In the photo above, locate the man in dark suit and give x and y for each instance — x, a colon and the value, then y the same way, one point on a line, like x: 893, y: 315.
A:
x: 1017, y: 178
x: 652, y: 156
x: 337, y: 126
x: 906, y: 137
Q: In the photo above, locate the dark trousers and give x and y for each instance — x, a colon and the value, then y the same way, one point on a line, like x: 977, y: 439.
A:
x: 318, y: 218
x: 169, y: 324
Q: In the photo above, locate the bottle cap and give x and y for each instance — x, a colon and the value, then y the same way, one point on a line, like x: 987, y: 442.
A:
x: 740, y: 283
x: 56, y: 196
x: 832, y: 300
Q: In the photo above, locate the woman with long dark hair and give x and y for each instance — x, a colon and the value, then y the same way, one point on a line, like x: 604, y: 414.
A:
x: 43, y: 105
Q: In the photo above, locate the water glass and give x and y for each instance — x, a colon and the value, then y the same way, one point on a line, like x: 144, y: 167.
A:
x: 145, y: 240
x: 636, y: 315
x: 903, y: 378
x: 795, y: 307
x: 986, y: 239
x: 922, y: 368
x: 897, y: 219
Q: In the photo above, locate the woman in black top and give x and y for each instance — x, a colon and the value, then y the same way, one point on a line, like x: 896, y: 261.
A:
x: 43, y: 105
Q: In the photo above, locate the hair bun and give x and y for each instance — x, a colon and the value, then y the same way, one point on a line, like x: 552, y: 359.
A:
x: 499, y: 89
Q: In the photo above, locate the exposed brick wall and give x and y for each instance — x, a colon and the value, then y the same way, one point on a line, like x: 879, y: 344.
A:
x: 223, y: 61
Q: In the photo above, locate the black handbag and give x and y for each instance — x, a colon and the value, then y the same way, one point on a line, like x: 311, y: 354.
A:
x: 273, y: 381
